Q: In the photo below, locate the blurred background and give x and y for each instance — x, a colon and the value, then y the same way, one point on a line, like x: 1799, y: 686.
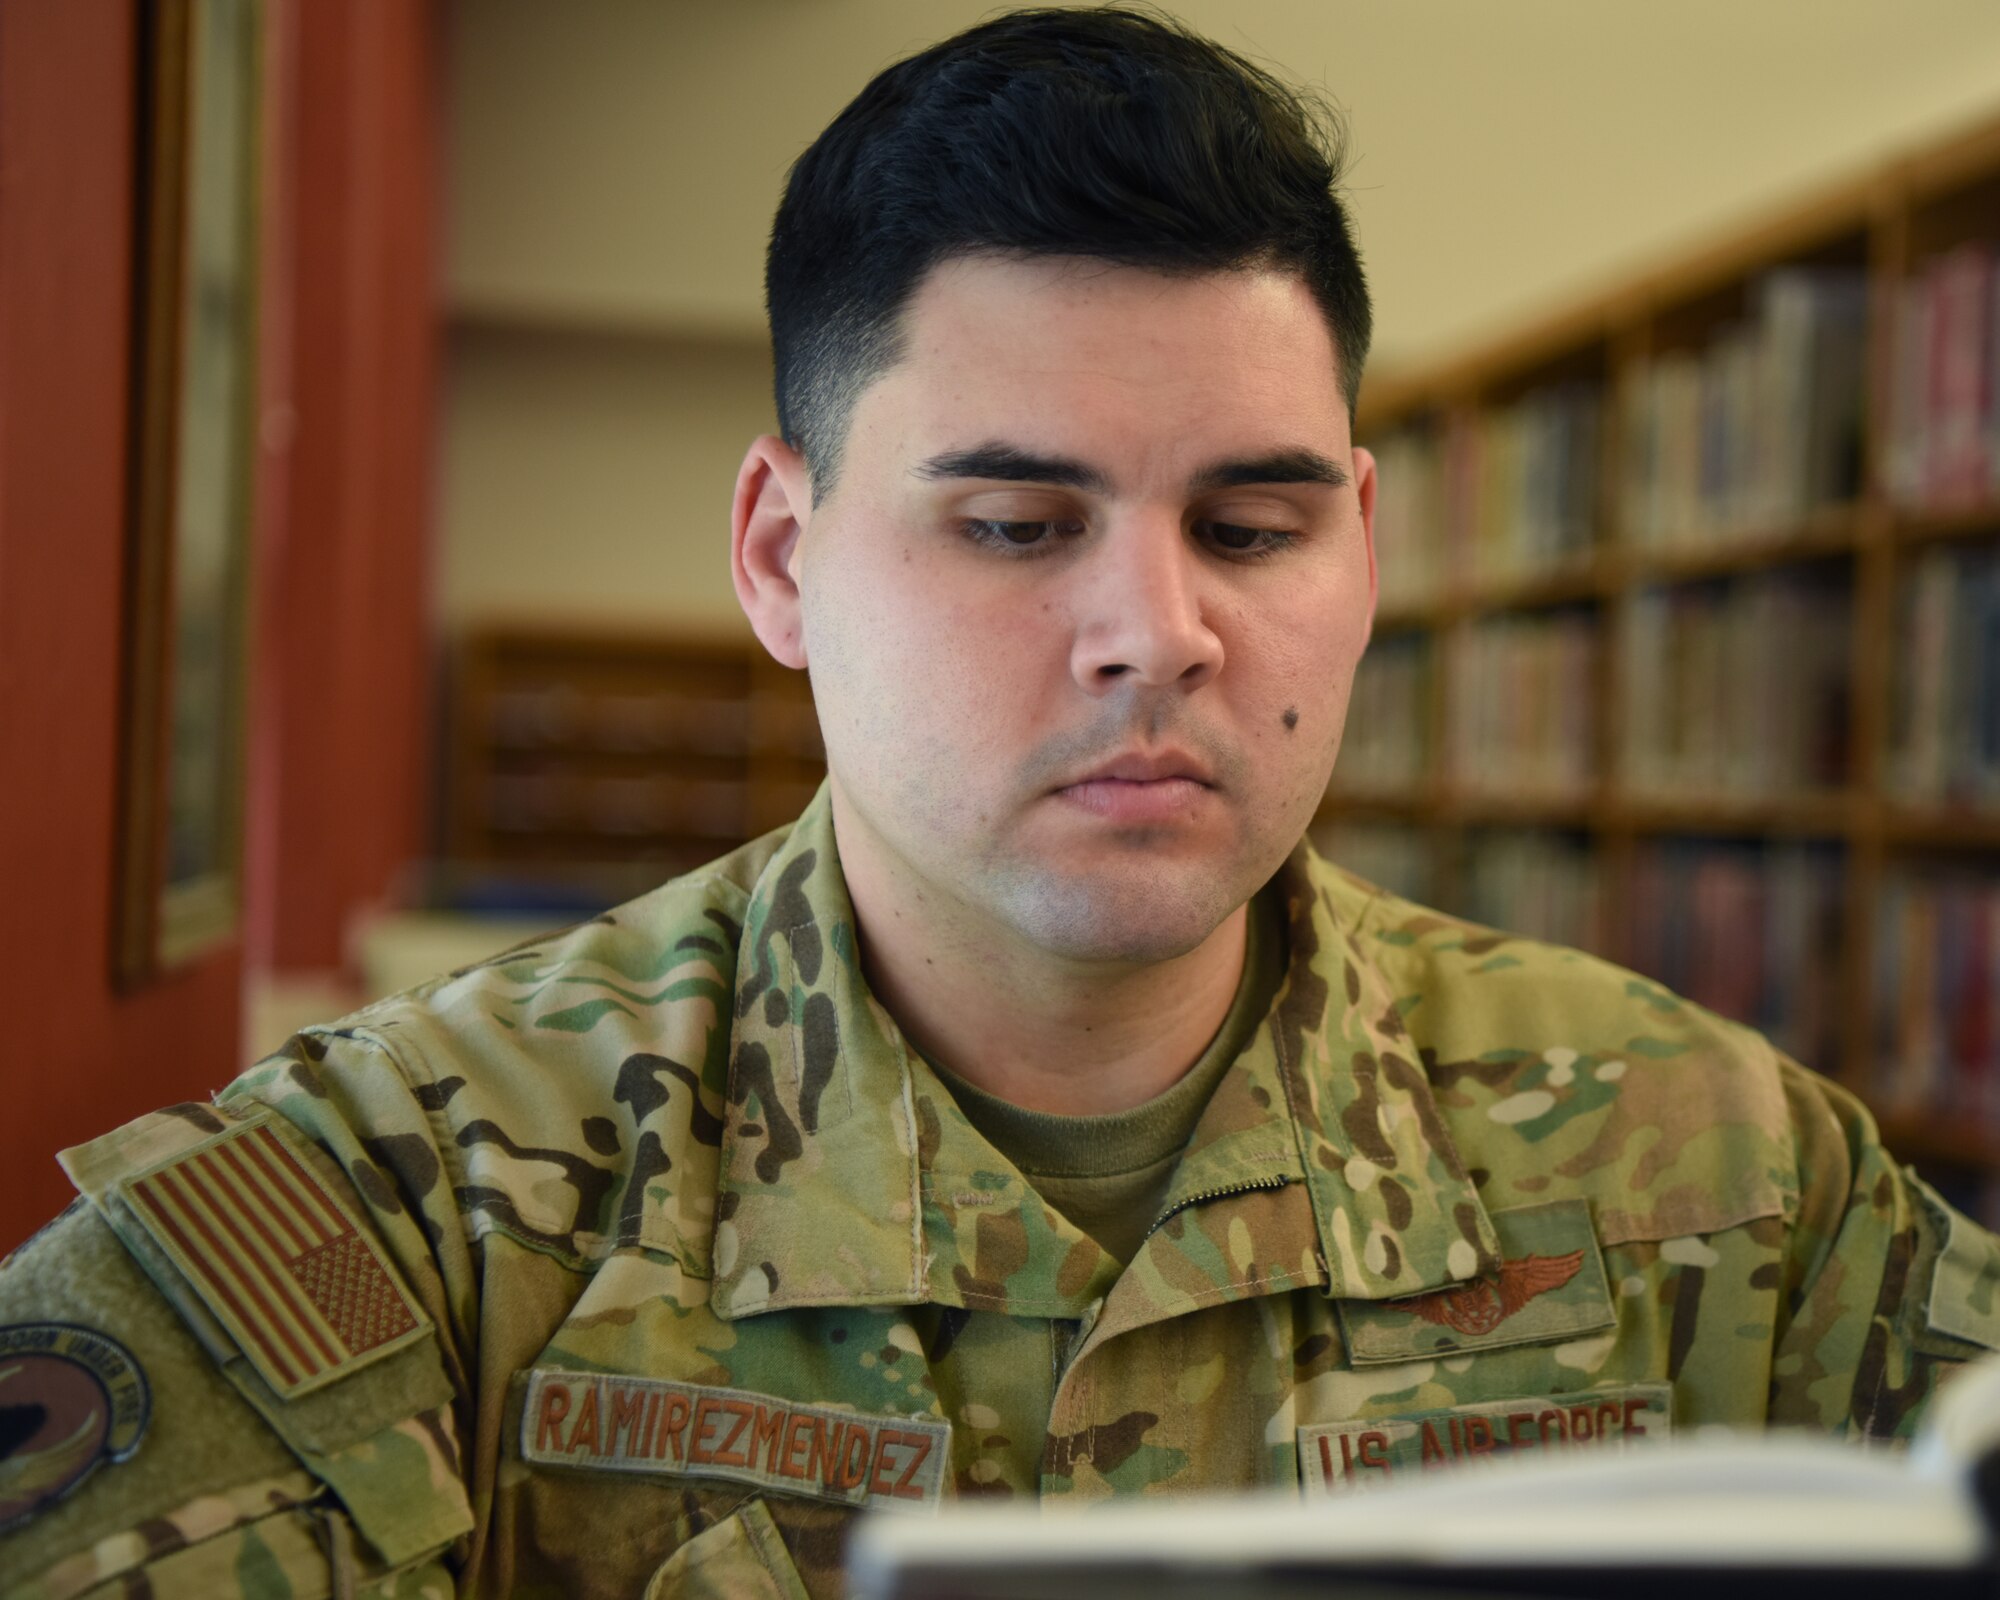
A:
x: 373, y: 377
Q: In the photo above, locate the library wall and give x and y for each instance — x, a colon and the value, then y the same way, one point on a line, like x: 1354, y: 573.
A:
x: 587, y: 474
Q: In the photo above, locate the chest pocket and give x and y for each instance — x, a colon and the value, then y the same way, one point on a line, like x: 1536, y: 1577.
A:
x: 742, y: 1557
x: 1551, y: 1286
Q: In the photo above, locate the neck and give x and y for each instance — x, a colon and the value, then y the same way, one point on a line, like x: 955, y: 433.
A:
x: 1039, y: 1031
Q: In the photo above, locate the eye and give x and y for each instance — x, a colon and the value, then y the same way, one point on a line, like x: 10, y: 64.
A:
x: 1019, y: 538
x: 1237, y: 541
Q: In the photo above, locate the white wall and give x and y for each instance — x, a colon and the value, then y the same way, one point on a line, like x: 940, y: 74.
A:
x: 589, y: 475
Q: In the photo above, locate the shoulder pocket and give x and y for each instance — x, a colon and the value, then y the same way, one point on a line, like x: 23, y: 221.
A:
x: 1963, y: 1298
x: 743, y: 1557
x: 257, y: 1240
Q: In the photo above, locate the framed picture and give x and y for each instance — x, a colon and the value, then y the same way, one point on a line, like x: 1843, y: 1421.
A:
x: 193, y: 444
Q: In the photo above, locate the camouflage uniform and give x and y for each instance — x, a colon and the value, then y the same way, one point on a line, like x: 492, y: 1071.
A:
x: 672, y: 1254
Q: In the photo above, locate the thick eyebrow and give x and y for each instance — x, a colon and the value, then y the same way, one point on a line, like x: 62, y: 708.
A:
x: 1005, y: 462
x: 1282, y: 466
x: 1011, y: 465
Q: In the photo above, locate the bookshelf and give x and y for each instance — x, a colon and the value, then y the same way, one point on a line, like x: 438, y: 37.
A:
x: 1691, y: 623
x: 610, y: 758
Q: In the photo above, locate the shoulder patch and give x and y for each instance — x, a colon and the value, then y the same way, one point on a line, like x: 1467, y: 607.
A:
x: 70, y: 1398
x: 301, y: 1286
x: 1964, y: 1300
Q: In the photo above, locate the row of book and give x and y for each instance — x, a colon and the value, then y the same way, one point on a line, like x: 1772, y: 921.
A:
x: 1383, y: 747
x: 1757, y: 427
x: 1944, y: 388
x: 1751, y: 430
x: 1523, y: 694
x: 1739, y: 688
x: 1535, y: 882
x: 1945, y: 721
x: 1522, y: 482
x: 1750, y: 930
x: 1507, y: 493
x: 1937, y: 980
x: 1393, y: 855
x: 630, y: 721
x: 1410, y: 544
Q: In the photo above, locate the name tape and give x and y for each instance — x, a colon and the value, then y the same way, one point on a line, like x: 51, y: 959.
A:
x: 621, y: 1424
x: 1342, y: 1457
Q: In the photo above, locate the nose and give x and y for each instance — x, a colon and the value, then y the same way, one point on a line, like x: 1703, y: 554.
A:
x: 1139, y: 611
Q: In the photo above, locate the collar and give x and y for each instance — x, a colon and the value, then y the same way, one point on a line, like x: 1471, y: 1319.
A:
x: 848, y: 1176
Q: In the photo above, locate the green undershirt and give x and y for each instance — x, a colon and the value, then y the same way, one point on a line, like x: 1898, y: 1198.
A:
x: 1109, y: 1174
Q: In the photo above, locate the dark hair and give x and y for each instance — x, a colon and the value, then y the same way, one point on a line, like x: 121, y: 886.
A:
x: 1111, y: 133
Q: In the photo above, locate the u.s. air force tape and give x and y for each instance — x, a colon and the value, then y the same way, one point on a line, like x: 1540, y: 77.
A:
x: 690, y: 1430
x: 1341, y: 1457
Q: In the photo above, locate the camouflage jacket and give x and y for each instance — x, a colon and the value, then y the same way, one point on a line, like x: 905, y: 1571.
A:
x: 638, y: 1260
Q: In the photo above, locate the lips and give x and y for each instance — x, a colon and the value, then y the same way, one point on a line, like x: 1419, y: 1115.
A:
x: 1161, y: 766
x: 1150, y: 790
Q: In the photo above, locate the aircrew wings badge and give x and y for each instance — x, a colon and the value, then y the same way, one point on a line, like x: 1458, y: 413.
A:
x: 1550, y: 1285
x: 276, y: 1255
x: 1482, y: 1305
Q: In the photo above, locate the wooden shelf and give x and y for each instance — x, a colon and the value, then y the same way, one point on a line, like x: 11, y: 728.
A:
x: 1830, y: 816
x: 1888, y: 224
x: 1953, y: 1143
x: 578, y: 747
x: 1832, y: 534
x: 1936, y: 527
x: 1943, y: 829
x: 1534, y: 591
x: 1806, y: 816
x: 1835, y: 532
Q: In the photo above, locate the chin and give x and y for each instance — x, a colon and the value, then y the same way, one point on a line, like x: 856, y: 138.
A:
x: 1139, y: 919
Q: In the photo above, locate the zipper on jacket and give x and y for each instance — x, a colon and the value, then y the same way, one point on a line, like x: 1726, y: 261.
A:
x: 1277, y: 1181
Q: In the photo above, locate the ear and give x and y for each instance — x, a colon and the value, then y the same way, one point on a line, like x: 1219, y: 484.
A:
x: 773, y: 505
x: 1364, y: 487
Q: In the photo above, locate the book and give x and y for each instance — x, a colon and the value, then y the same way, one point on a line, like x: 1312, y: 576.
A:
x: 1720, y: 1513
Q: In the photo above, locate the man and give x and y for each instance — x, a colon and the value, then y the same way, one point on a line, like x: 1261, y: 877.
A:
x: 1038, y: 1116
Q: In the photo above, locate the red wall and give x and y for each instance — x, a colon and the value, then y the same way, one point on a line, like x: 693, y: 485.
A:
x: 340, y: 688
x: 340, y: 775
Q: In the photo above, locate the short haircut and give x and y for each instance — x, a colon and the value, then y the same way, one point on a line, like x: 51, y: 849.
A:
x: 1112, y: 134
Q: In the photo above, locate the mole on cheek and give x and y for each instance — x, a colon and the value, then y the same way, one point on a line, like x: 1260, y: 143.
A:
x: 1290, y: 718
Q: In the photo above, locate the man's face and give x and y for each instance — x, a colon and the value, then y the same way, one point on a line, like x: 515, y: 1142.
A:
x: 1083, y: 609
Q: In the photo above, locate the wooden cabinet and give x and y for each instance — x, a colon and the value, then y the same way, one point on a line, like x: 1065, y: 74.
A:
x: 618, y: 758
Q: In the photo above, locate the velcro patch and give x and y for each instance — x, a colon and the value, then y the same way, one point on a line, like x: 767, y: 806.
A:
x: 1342, y: 1457
x: 1965, y: 1282
x: 303, y: 1289
x: 1550, y: 1285
x: 621, y: 1424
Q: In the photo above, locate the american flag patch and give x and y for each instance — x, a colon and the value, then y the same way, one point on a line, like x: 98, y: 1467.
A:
x: 301, y: 1287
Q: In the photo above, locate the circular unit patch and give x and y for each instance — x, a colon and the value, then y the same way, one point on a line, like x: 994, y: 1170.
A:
x: 69, y: 1398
